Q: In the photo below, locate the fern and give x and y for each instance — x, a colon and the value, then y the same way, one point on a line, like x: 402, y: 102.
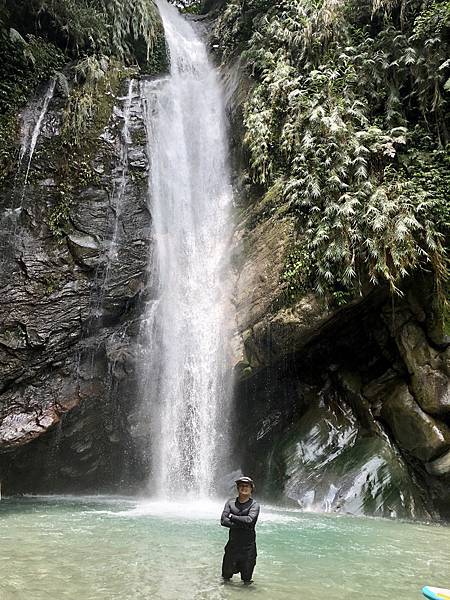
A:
x: 342, y: 91
x: 87, y: 27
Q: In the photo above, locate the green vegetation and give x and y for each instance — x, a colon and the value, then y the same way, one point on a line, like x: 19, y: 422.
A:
x: 86, y: 27
x: 51, y: 283
x: 24, y: 65
x: 297, y: 273
x: 88, y: 45
x: 349, y: 116
x: 58, y: 218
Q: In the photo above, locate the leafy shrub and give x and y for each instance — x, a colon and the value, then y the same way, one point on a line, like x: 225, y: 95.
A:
x: 345, y: 92
x: 81, y: 27
x: 38, y: 38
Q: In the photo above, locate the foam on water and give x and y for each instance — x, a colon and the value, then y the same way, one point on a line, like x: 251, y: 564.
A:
x: 210, y: 510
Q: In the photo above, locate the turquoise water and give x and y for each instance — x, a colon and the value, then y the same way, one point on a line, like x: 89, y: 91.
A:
x: 111, y: 548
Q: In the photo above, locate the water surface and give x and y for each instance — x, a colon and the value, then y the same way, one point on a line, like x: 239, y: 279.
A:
x: 112, y: 548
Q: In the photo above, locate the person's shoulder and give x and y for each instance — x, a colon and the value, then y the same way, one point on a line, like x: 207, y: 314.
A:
x: 255, y: 503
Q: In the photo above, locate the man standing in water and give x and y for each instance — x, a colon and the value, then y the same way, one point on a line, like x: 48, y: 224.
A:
x: 240, y: 516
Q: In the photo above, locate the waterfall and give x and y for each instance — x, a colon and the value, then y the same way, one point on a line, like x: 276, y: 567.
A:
x: 185, y: 381
x: 28, y: 142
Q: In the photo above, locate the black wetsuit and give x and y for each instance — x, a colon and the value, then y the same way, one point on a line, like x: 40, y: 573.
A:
x: 240, y: 551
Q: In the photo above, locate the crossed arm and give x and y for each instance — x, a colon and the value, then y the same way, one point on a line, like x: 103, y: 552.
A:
x: 230, y: 520
x: 225, y: 518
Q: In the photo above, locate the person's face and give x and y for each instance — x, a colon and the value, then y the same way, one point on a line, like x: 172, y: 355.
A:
x: 245, y: 490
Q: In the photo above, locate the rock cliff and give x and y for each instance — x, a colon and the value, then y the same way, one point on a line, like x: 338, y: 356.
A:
x: 70, y: 309
x: 341, y: 406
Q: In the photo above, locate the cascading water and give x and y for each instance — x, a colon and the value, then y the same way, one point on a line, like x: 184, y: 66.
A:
x: 28, y: 142
x: 33, y: 118
x: 118, y: 196
x: 185, y: 383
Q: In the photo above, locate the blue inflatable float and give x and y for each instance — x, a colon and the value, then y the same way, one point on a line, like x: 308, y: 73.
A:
x: 436, y: 593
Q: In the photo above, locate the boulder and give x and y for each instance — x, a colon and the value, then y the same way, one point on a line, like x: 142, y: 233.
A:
x: 329, y: 464
x: 429, y: 369
x: 30, y: 410
x: 441, y: 466
x: 416, y: 432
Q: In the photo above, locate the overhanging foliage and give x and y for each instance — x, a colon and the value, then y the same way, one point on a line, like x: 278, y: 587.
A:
x: 85, y: 41
x: 349, y: 116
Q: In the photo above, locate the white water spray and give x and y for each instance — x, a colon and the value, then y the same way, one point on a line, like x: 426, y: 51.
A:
x: 185, y: 382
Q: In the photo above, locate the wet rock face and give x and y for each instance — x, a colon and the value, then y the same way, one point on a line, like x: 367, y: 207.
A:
x: 429, y: 369
x: 345, y: 409
x: 69, y: 313
x: 340, y: 409
x: 91, y: 448
x: 335, y: 427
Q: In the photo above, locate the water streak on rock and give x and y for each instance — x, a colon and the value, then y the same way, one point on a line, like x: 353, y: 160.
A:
x: 119, y: 189
x: 28, y: 143
x: 118, y: 196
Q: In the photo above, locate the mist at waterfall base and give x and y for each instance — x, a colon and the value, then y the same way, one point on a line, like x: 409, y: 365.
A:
x: 108, y: 549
